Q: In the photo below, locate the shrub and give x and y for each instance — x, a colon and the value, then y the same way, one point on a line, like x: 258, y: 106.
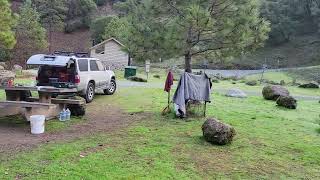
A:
x: 157, y: 76
x: 214, y: 80
x: 72, y: 26
x: 252, y: 83
x: 100, y: 2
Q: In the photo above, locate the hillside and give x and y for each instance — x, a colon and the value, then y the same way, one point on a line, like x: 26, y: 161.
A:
x: 79, y: 40
x: 300, y: 51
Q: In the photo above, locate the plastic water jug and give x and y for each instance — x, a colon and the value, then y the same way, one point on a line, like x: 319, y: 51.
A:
x: 37, y: 123
x: 63, y: 115
x: 68, y: 114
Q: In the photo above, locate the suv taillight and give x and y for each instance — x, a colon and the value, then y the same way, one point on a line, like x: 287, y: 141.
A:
x: 77, y: 79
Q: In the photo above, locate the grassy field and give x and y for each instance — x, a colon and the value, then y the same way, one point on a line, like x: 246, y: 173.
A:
x: 308, y: 74
x: 271, y: 143
x: 288, y: 77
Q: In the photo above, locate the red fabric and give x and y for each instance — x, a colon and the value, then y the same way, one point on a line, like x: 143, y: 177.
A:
x: 169, y: 82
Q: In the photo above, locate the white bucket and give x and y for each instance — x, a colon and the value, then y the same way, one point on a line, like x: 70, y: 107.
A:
x: 37, y: 124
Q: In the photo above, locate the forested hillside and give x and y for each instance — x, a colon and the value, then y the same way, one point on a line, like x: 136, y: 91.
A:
x: 293, y: 38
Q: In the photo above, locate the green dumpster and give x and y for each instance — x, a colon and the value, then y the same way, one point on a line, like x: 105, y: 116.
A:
x: 130, y: 71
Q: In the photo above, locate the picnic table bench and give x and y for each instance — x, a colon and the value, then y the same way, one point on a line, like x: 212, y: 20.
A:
x: 18, y: 101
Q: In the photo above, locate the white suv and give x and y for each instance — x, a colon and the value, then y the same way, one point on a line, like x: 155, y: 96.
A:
x: 74, y: 70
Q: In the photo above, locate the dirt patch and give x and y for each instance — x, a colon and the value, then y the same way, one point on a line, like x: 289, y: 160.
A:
x: 15, y: 136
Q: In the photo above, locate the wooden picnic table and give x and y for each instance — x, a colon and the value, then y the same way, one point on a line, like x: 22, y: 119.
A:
x: 45, y: 92
x: 17, y: 102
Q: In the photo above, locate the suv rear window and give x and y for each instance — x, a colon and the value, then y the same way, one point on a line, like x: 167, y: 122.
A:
x: 93, y: 66
x: 83, y: 64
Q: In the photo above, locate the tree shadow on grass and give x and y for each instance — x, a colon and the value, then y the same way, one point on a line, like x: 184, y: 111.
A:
x: 13, y: 121
x: 199, y: 140
x: 285, y: 109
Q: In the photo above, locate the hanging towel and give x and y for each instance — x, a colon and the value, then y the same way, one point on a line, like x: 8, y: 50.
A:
x: 169, y: 82
x: 191, y: 87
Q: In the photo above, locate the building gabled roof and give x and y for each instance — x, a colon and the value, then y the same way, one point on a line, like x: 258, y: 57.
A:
x: 105, y: 41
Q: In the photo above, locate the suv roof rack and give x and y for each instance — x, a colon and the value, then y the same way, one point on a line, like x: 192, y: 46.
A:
x: 67, y: 53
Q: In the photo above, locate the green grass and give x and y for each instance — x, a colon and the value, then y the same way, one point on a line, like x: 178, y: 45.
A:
x: 24, y: 81
x: 51, y: 126
x: 21, y: 81
x: 258, y: 89
x: 271, y: 143
x: 272, y: 76
x: 307, y: 74
x: 55, y: 125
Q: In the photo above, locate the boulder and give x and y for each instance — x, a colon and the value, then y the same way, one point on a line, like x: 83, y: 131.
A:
x: 287, y: 102
x: 311, y: 85
x: 294, y: 83
x: 274, y: 92
x: 5, y: 76
x: 217, y: 132
x: 17, y: 67
x: 252, y: 83
x: 282, y: 83
x: 1, y: 68
x: 237, y: 93
x: 137, y: 79
x: 3, y: 64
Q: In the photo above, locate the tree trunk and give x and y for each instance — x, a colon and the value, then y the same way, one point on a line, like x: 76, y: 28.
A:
x: 50, y: 37
x: 188, y: 58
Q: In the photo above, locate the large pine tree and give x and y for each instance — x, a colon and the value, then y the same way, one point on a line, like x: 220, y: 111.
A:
x: 52, y: 14
x: 79, y: 14
x: 31, y: 36
x: 193, y: 27
x: 7, y: 21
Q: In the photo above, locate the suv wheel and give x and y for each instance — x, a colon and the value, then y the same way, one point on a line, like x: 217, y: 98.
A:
x: 112, y: 89
x: 90, y: 92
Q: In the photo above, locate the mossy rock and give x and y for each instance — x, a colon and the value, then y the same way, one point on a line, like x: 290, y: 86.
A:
x: 217, y: 132
x: 311, y: 85
x: 287, y: 101
x: 274, y: 92
x: 137, y: 79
